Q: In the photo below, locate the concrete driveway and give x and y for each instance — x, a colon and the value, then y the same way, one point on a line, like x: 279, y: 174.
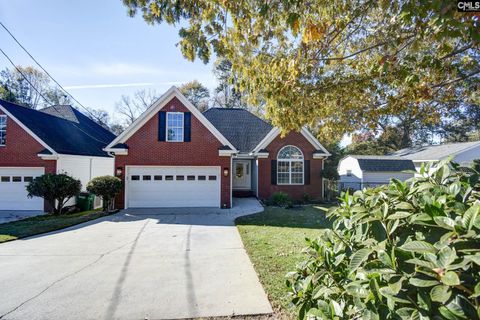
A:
x: 134, y: 265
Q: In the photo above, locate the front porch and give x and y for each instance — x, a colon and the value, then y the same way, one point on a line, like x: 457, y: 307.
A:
x: 244, y: 178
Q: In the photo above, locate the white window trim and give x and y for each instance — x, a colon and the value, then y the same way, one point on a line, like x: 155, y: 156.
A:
x: 290, y: 168
x: 4, y: 116
x: 183, y: 127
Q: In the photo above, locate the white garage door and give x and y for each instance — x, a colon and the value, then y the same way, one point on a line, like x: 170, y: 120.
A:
x: 149, y: 187
x: 13, y: 195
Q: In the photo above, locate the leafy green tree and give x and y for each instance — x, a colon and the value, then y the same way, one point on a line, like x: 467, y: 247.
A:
x: 331, y: 163
x: 6, y: 94
x: 106, y: 187
x: 462, y: 124
x: 343, y: 65
x: 196, y: 93
x: 56, y: 189
x: 367, y: 143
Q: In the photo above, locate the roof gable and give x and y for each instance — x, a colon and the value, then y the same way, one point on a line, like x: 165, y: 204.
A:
x: 58, y: 135
x: 61, y: 111
x: 275, y: 132
x: 156, y: 107
x: 241, y: 127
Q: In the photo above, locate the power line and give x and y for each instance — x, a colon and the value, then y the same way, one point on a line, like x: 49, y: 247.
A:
x: 47, y: 73
x: 44, y: 98
x: 25, y: 77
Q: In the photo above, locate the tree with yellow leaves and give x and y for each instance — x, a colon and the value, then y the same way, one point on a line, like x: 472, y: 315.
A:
x: 338, y: 66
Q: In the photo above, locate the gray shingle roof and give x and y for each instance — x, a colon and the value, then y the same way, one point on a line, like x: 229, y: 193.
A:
x: 383, y: 163
x: 242, y: 128
x: 61, y: 111
x: 435, y: 152
x: 80, y: 137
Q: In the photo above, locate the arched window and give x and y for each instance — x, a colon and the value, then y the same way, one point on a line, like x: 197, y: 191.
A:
x: 290, y: 165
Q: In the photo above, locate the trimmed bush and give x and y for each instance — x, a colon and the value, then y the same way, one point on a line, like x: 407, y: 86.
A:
x: 106, y: 187
x: 409, y: 250
x: 281, y: 199
x: 56, y: 189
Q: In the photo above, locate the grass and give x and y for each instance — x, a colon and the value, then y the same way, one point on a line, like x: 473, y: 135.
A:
x: 44, y: 223
x: 274, y: 240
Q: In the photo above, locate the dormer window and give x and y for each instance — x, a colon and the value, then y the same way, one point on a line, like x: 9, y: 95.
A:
x: 174, y: 126
x: 3, y: 130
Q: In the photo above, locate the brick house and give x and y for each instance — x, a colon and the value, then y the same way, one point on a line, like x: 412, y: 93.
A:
x: 175, y: 156
x: 56, y: 139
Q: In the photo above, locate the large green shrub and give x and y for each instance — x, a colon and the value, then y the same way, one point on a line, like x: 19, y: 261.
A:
x: 409, y: 250
x: 106, y: 187
x: 281, y: 199
x: 56, y: 189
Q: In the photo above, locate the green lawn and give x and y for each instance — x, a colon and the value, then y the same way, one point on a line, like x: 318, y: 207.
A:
x: 44, y: 223
x: 274, y: 240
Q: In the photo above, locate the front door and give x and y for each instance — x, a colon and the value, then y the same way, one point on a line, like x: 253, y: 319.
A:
x: 242, y: 174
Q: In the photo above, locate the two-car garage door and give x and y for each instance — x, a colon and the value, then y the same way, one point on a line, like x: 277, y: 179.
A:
x: 13, y: 195
x: 149, y: 187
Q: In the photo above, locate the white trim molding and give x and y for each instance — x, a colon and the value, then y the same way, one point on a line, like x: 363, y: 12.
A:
x: 267, y: 140
x: 48, y: 156
x: 30, y: 132
x: 226, y: 153
x: 262, y: 155
x: 117, y: 152
x: 305, y: 132
x: 156, y: 107
x: 319, y: 156
x: 314, y: 141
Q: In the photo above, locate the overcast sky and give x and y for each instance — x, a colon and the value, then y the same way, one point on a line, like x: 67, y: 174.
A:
x: 95, y: 50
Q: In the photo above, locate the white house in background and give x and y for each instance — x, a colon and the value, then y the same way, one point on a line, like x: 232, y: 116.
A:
x: 462, y: 152
x: 358, y: 171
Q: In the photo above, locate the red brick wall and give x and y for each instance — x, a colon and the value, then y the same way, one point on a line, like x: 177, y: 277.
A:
x: 266, y: 189
x: 145, y: 149
x: 21, y: 150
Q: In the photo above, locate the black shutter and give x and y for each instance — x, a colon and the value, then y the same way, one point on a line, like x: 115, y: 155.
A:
x: 274, y: 172
x: 162, y: 126
x: 306, y: 171
x: 187, y: 126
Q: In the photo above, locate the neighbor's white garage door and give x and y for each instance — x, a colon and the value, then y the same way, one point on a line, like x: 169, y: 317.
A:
x: 13, y: 195
x: 149, y: 187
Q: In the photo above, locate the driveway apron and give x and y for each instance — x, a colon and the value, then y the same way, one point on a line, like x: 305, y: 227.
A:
x: 137, y: 264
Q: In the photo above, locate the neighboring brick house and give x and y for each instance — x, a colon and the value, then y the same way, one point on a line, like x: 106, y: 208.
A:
x: 175, y: 156
x: 52, y: 140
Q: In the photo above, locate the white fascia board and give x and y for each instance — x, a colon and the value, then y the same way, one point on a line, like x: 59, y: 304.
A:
x: 30, y: 132
x: 117, y: 151
x: 262, y: 155
x: 267, y: 140
x: 314, y: 141
x: 62, y: 155
x: 226, y: 153
x: 244, y: 156
x: 157, y: 106
x: 305, y: 132
x: 48, y: 156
